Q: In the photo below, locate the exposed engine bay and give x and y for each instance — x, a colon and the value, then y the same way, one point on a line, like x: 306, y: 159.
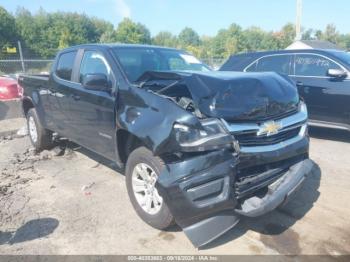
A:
x: 251, y: 97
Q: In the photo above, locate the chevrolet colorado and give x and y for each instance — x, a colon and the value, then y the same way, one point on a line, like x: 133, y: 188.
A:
x: 200, y: 148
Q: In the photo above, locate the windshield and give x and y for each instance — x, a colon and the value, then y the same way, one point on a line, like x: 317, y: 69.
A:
x: 343, y: 56
x: 137, y: 61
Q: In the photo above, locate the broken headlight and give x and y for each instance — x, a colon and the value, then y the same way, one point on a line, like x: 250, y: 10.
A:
x: 211, y: 136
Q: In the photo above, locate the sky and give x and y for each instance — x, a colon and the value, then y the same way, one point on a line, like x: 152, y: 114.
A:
x: 204, y: 16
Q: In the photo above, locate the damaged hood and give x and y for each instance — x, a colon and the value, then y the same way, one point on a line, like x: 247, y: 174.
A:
x: 236, y: 96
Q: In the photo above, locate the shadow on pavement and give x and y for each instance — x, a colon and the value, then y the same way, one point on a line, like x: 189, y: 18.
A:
x: 33, y: 229
x: 4, y: 108
x: 330, y: 134
x: 275, y: 227
x: 100, y: 159
x: 69, y: 145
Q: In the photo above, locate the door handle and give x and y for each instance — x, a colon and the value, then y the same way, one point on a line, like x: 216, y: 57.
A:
x: 75, y: 97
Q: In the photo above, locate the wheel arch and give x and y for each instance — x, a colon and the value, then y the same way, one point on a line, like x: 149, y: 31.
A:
x: 27, y: 104
x: 126, y: 143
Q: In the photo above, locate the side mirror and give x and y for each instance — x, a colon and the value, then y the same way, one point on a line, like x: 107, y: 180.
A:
x: 97, y: 82
x: 337, y: 73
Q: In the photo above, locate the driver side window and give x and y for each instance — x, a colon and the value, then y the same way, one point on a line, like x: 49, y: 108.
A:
x: 313, y: 65
x: 93, y: 62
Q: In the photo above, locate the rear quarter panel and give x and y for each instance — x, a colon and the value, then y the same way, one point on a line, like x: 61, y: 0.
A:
x: 36, y: 90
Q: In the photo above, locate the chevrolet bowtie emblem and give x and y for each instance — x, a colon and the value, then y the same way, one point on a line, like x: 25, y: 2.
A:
x: 269, y: 128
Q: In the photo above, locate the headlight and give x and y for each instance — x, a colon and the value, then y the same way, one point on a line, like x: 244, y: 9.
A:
x: 212, y: 136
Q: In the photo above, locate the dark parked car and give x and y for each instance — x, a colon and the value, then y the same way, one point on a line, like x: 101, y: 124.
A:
x: 199, y: 148
x: 322, y: 77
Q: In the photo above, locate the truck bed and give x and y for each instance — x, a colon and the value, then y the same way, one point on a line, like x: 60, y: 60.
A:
x: 30, y: 82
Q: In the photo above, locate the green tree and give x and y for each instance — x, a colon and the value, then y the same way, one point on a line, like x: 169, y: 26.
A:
x: 318, y: 35
x: 206, y: 48
x: 308, y: 35
x: 188, y: 37
x: 134, y: 33
x: 165, y: 38
x: 286, y: 36
x: 345, y: 41
x: 101, y: 27
x: 228, y: 41
x: 8, y: 35
x: 30, y: 29
x: 45, y: 33
x: 256, y: 39
x: 330, y: 34
x: 108, y: 36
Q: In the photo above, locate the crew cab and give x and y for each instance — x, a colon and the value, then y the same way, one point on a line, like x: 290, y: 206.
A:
x: 200, y: 148
x: 322, y: 77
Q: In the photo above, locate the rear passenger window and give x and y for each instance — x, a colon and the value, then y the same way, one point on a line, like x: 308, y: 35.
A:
x: 277, y: 63
x: 313, y: 65
x: 65, y: 65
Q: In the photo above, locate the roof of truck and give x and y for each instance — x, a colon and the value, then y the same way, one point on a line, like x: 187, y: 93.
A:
x: 118, y: 45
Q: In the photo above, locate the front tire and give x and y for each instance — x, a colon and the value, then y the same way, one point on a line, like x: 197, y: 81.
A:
x: 142, y: 171
x: 40, y: 137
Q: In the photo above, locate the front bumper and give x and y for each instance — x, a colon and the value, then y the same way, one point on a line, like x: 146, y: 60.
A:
x: 200, y: 191
x: 278, y: 192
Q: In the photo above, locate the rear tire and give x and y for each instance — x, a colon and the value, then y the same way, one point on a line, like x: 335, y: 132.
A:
x: 40, y: 137
x: 142, y: 170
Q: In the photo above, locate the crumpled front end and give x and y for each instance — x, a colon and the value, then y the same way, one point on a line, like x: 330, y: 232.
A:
x: 202, y: 192
x: 208, y: 192
x: 225, y: 156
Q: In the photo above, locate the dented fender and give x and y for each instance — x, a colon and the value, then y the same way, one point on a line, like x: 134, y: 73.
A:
x: 151, y: 118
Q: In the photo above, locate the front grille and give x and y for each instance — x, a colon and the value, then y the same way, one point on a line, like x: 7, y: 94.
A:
x: 251, y: 139
x: 292, y: 123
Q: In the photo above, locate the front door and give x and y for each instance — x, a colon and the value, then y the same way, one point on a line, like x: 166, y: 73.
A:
x: 93, y: 111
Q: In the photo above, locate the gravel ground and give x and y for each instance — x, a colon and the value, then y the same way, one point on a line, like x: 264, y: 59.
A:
x: 76, y: 203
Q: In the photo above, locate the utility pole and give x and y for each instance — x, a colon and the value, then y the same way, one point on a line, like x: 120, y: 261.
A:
x: 21, y: 56
x: 298, y: 20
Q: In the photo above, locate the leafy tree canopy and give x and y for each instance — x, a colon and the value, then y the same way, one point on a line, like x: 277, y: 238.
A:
x: 42, y: 34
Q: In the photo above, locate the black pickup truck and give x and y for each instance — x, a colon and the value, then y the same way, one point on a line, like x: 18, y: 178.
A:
x: 200, y: 148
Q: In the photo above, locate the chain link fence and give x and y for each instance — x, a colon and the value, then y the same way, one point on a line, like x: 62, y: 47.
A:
x: 15, y: 59
x: 28, y: 66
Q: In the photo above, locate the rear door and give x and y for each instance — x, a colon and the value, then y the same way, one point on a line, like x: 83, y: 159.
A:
x: 93, y: 112
x: 327, y: 97
x: 59, y: 93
